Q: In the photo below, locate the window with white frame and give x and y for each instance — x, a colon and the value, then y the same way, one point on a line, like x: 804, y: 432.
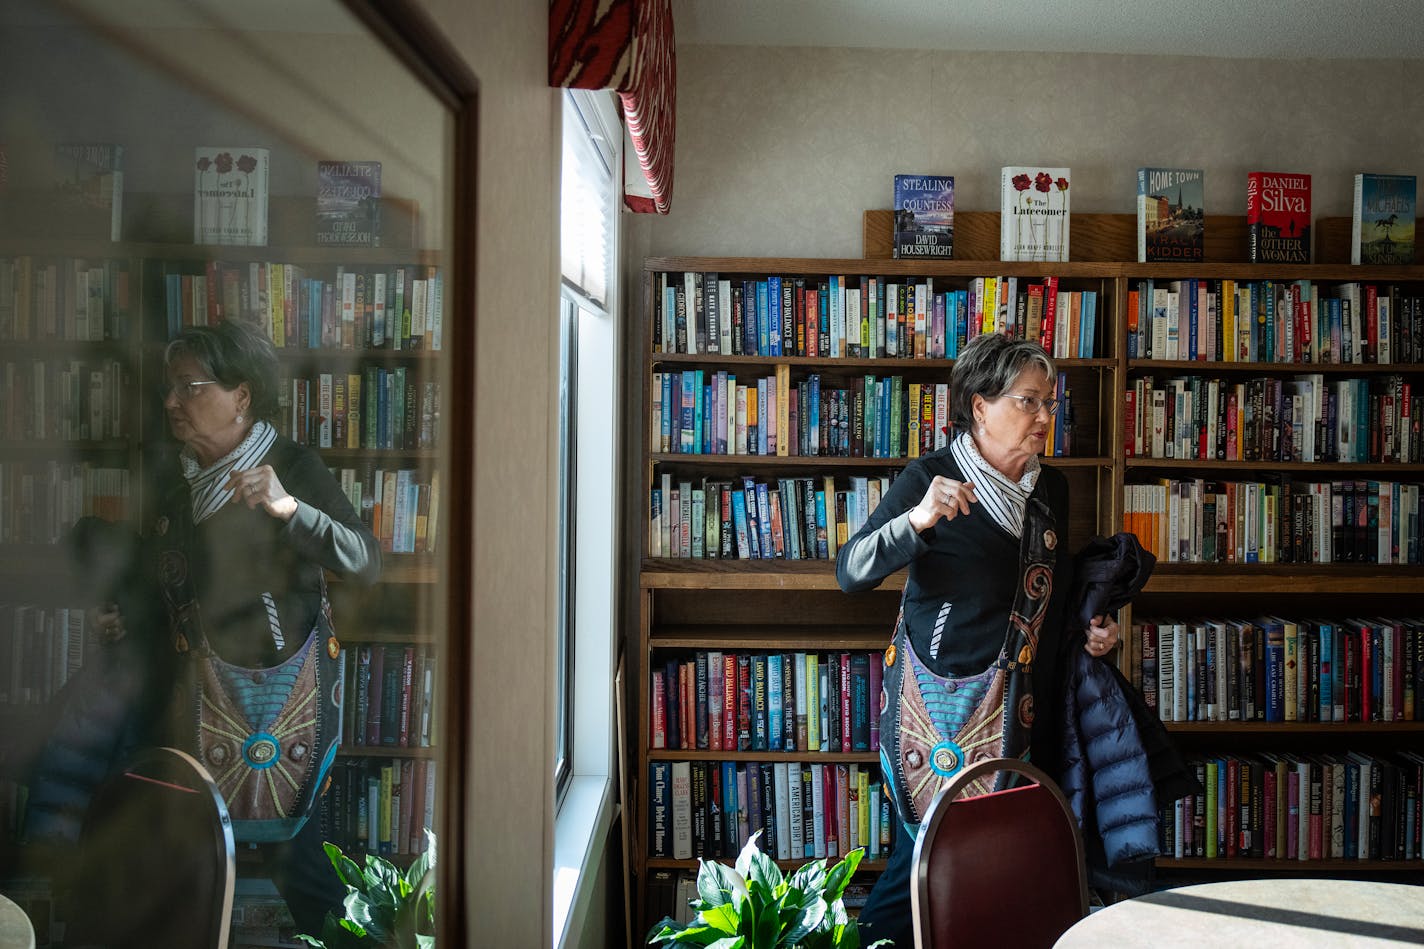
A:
x: 589, y: 200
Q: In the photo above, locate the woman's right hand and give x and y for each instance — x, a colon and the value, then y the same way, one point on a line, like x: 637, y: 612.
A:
x: 107, y: 622
x: 945, y: 498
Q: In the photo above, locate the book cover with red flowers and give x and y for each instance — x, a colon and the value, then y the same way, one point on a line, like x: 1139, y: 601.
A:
x: 924, y: 216
x: 230, y: 195
x: 1277, y: 217
x: 1033, y: 224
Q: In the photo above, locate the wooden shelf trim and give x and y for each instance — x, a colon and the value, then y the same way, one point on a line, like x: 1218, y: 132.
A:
x: 1341, y: 468
x: 384, y: 751
x: 1285, y: 579
x: 840, y: 461
x: 816, y: 757
x: 1289, y: 729
x: 675, y: 574
x: 810, y: 638
x: 842, y: 362
x: 1258, y: 864
x: 1275, y: 368
x: 672, y: 863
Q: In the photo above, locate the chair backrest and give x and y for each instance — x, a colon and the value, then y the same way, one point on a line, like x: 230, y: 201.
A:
x: 1005, y: 868
x: 157, y: 853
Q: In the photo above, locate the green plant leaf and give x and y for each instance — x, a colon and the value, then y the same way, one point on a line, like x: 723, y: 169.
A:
x: 723, y: 918
x: 838, y: 877
x: 744, y: 859
x: 718, y: 884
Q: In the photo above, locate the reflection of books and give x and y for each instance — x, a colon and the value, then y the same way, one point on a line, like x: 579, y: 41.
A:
x: 348, y: 203
x: 1278, y: 218
x: 230, y: 195
x: 89, y: 179
x: 1382, y: 225
x: 1170, y: 216
x: 1033, y: 224
x: 924, y: 216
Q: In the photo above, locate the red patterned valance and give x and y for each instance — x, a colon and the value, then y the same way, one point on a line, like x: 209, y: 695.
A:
x: 626, y: 46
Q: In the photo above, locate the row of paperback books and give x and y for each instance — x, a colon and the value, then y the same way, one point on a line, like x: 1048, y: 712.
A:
x: 1284, y: 321
x: 63, y: 399
x: 1197, y: 521
x: 708, y: 809
x: 1279, y: 669
x: 864, y: 417
x: 42, y: 648
x: 866, y: 317
x: 755, y: 701
x: 402, y: 510
x: 1349, y: 806
x: 63, y: 298
x: 380, y: 806
x: 1302, y: 419
x: 793, y: 519
x: 379, y: 407
x: 392, y: 698
x: 393, y: 308
x: 40, y: 501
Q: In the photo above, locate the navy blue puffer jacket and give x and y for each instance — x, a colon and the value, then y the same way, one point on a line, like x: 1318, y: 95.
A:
x: 1106, y: 776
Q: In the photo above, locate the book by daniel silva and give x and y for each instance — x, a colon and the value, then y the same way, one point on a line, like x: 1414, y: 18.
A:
x: 924, y: 216
x: 230, y: 195
x: 1277, y: 218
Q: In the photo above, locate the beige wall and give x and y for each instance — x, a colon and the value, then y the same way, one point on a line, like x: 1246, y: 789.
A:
x: 779, y: 150
x: 508, y: 840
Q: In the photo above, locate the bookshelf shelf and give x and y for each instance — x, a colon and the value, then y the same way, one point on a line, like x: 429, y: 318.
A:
x: 841, y: 364
x: 1266, y: 865
x: 665, y: 863
x: 766, y: 636
x: 822, y: 757
x: 1340, y: 469
x: 802, y: 463
x: 671, y: 573
x: 384, y: 751
x: 1285, y: 579
x: 1275, y: 368
x: 1287, y: 729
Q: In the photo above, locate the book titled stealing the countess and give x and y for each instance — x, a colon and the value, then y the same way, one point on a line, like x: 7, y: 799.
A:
x: 924, y: 216
x: 348, y: 203
x: 1033, y: 223
x: 1277, y: 217
x: 1170, y: 219
x: 230, y: 195
x: 1382, y: 226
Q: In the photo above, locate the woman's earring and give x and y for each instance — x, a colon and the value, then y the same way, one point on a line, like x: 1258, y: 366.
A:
x: 239, y: 420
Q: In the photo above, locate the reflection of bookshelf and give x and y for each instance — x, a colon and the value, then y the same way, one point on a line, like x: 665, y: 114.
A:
x: 129, y: 296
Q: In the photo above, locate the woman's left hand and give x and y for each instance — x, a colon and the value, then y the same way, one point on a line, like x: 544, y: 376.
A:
x: 1102, y: 636
x: 260, y: 487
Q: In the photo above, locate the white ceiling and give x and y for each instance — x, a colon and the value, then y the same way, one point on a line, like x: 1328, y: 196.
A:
x: 1261, y: 29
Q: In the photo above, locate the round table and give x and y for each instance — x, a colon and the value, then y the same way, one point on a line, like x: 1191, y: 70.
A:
x: 15, y: 929
x: 1280, y: 912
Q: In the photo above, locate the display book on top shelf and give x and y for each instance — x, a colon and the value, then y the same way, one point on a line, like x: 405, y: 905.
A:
x: 758, y: 705
x: 1272, y: 462
x: 358, y: 335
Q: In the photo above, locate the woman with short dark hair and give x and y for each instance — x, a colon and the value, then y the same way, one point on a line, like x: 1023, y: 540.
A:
x: 975, y: 666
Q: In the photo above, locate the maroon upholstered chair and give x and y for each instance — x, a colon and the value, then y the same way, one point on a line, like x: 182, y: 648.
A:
x: 1000, y: 869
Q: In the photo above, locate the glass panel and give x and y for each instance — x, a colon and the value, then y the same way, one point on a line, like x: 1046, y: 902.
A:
x: 225, y: 248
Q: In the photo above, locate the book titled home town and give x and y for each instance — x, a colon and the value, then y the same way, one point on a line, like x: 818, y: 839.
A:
x: 1170, y: 220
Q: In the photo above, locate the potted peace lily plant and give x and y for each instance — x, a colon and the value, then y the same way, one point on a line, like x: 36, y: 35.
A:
x: 754, y: 906
x: 386, y: 907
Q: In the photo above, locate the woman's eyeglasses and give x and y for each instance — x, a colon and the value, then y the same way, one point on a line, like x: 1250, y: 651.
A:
x: 1030, y: 404
x: 187, y: 391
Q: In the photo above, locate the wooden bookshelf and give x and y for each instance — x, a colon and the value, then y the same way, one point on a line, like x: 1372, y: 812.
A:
x: 685, y: 605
